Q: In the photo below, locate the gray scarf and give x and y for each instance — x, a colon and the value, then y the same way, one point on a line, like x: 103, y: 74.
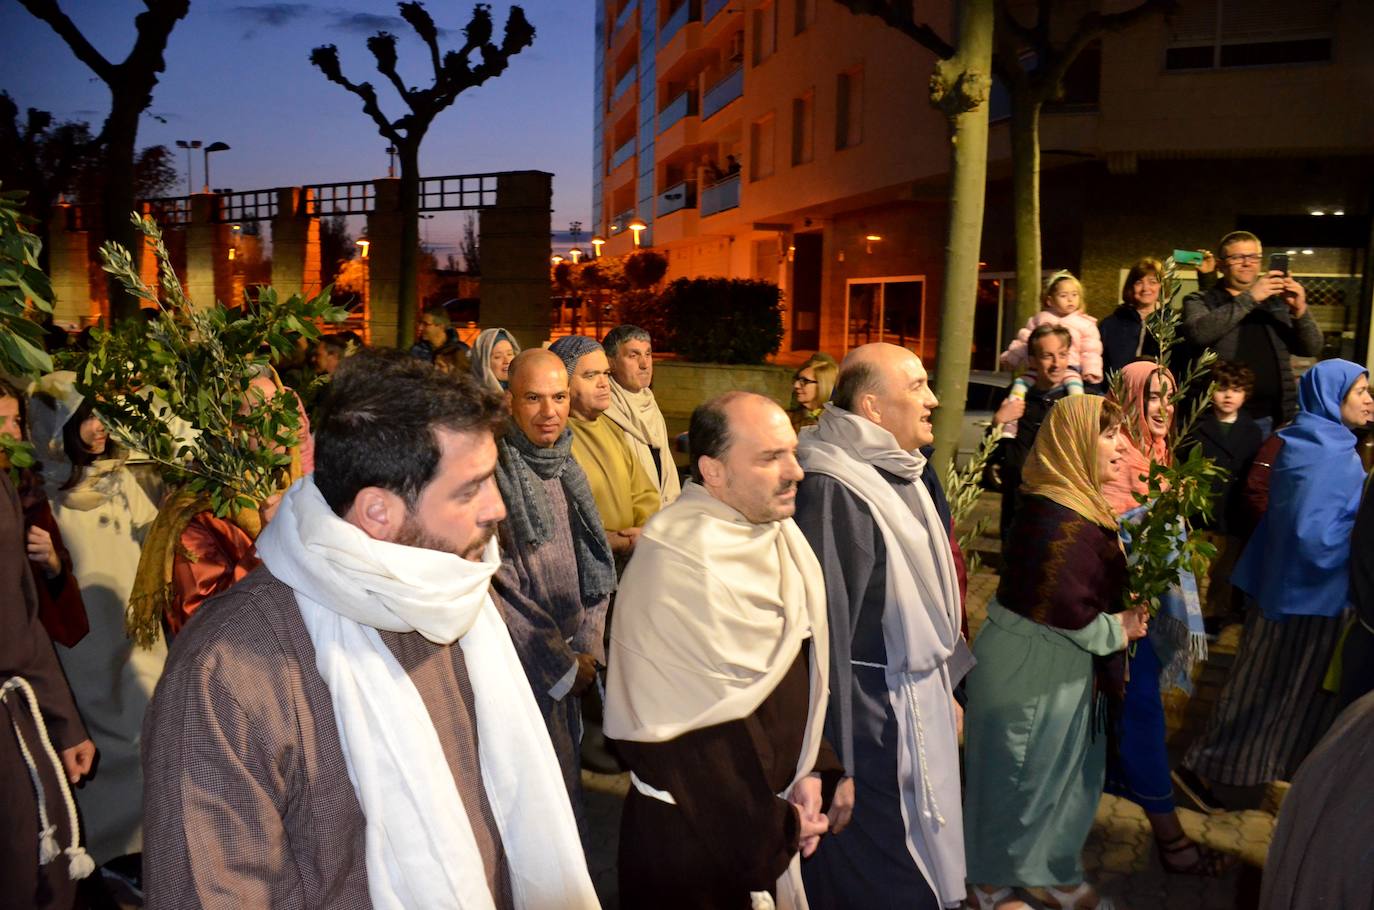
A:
x: 521, y: 467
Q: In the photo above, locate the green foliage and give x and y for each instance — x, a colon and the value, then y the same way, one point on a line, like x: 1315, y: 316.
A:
x: 963, y: 489
x: 1180, y: 492
x: 22, y: 285
x: 723, y: 320
x: 179, y: 387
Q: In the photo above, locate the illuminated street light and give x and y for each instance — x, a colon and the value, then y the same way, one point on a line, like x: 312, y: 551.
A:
x: 212, y: 147
x: 872, y: 239
x: 637, y: 226
x: 188, y: 144
x: 555, y: 259
x: 576, y: 254
x: 597, y: 244
x: 363, y: 245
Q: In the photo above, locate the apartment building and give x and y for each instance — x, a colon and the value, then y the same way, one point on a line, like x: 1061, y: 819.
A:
x: 792, y: 141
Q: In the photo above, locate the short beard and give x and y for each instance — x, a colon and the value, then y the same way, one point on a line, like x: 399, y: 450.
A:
x: 412, y: 534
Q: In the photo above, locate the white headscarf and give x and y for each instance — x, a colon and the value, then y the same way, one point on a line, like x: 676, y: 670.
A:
x: 420, y: 848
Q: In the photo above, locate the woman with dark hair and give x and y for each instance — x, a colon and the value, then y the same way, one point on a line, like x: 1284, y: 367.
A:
x: 1049, y: 661
x: 1296, y: 568
x: 102, y: 513
x: 1125, y: 339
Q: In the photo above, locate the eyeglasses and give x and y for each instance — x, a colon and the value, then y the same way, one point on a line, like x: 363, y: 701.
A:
x: 802, y: 380
x: 1242, y: 258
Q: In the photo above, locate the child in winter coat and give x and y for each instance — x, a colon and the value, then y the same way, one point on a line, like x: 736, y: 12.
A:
x: 1063, y: 306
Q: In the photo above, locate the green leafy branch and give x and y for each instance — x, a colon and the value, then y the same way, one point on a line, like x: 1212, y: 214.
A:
x: 963, y: 487
x: 23, y: 289
x: 179, y: 387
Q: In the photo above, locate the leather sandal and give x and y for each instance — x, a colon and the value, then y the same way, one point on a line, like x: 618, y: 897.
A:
x: 1208, y: 862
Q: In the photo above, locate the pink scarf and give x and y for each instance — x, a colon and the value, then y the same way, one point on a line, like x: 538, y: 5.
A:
x: 1142, y: 447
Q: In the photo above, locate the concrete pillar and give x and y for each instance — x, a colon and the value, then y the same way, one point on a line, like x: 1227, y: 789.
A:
x: 514, y: 239
x: 209, y: 278
x: 295, y: 245
x: 383, y: 265
x: 68, y: 267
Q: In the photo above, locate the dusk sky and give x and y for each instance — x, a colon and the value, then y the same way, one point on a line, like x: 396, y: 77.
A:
x: 240, y: 73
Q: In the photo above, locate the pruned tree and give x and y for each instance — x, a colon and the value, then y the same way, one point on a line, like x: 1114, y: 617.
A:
x: 1032, y: 63
x: 131, y: 84
x: 469, y: 248
x: 959, y: 87
x: 454, y: 72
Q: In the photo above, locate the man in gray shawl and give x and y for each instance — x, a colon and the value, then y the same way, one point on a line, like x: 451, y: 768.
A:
x: 557, y: 573
x: 896, y: 649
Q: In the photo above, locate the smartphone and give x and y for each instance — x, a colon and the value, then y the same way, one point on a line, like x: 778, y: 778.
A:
x: 1278, y: 262
x: 1187, y: 257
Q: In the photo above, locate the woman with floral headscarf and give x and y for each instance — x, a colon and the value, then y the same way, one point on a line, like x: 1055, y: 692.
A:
x: 1049, y: 660
x: 1139, y: 766
x: 103, y: 514
x: 1274, y: 709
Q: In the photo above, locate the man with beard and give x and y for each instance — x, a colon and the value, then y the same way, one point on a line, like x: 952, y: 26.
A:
x: 896, y: 654
x: 557, y: 572
x: 716, y: 691
x: 625, y: 495
x: 634, y: 409
x: 349, y: 726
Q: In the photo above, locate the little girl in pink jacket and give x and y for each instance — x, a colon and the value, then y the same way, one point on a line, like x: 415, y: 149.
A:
x: 1063, y: 306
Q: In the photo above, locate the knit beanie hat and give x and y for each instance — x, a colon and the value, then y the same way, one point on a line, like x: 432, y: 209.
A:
x: 572, y: 348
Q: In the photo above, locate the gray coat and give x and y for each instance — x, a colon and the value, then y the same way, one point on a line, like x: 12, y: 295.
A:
x: 1211, y: 319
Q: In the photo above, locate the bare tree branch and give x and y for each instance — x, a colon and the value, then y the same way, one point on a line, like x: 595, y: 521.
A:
x: 49, y: 12
x: 900, y: 16
x: 326, y: 60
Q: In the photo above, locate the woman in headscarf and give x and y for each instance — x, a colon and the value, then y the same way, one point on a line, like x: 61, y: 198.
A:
x: 1139, y: 766
x: 1049, y: 658
x: 1296, y: 567
x: 811, y: 387
x: 492, y: 353
x: 103, y: 514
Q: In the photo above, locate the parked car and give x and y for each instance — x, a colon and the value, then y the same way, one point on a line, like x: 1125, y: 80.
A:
x: 986, y: 389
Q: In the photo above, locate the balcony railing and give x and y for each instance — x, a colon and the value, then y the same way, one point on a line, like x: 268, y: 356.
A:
x: 720, y: 196
x: 685, y: 13
x: 626, y: 82
x: 623, y: 154
x: 684, y: 105
x: 713, y: 7
x: 622, y: 221
x: 681, y: 196
x: 723, y: 92
x: 625, y: 16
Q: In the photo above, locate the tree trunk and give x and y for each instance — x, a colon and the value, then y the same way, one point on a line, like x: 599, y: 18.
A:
x: 1025, y: 195
x: 117, y: 200
x: 407, y: 285
x: 971, y: 66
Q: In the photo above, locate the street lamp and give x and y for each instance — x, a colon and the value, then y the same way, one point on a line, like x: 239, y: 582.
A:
x: 637, y: 226
x: 576, y: 254
x: 188, y: 144
x: 555, y: 258
x: 212, y: 147
x: 597, y: 244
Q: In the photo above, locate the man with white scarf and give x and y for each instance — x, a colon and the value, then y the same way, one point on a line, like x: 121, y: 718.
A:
x: 716, y: 689
x: 634, y: 408
x: 896, y: 648
x: 350, y: 726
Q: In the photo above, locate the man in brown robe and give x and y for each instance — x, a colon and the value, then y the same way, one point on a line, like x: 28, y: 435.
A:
x: 27, y: 652
x: 349, y: 726
x: 717, y: 681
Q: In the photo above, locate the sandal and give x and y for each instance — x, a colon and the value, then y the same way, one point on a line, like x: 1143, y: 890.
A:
x: 996, y: 900
x: 1208, y: 862
x: 1068, y: 900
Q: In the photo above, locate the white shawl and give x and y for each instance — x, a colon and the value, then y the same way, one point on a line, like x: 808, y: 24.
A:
x: 920, y: 631
x: 638, y: 415
x: 420, y: 849
x: 710, y: 615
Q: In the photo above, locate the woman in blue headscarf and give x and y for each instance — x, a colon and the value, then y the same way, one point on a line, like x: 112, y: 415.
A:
x: 1296, y: 569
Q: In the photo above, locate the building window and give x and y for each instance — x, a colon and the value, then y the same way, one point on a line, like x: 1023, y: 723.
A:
x: 803, y: 128
x: 805, y: 15
x: 765, y: 31
x: 890, y: 309
x: 849, y: 108
x: 761, y: 148
x: 1220, y: 34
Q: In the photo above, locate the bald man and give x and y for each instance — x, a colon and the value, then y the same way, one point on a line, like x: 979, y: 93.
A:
x: 557, y: 572
x: 896, y: 651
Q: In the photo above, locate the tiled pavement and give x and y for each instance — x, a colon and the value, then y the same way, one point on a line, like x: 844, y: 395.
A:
x: 1120, y: 854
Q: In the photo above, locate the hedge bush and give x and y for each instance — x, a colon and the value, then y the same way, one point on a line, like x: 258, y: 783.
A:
x: 722, y: 320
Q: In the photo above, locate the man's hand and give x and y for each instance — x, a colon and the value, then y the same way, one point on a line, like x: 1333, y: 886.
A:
x: 268, y: 510
x: 623, y: 541
x: 1295, y: 295
x: 1011, y: 409
x: 42, y: 551
x: 1267, y: 286
x: 77, y: 760
x: 1208, y: 265
x: 842, y: 806
x: 586, y: 672
x: 806, y: 796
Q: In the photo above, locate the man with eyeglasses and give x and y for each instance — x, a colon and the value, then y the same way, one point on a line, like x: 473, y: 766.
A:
x: 436, y: 331
x: 1257, y: 317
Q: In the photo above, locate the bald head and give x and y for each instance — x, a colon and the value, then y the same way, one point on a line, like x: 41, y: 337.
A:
x: 887, y: 384
x: 538, y: 395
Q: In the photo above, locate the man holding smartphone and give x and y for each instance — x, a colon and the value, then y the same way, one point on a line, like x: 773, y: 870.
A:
x: 1258, y: 316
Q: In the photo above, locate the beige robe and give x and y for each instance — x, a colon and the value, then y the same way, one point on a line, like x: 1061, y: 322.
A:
x: 638, y: 415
